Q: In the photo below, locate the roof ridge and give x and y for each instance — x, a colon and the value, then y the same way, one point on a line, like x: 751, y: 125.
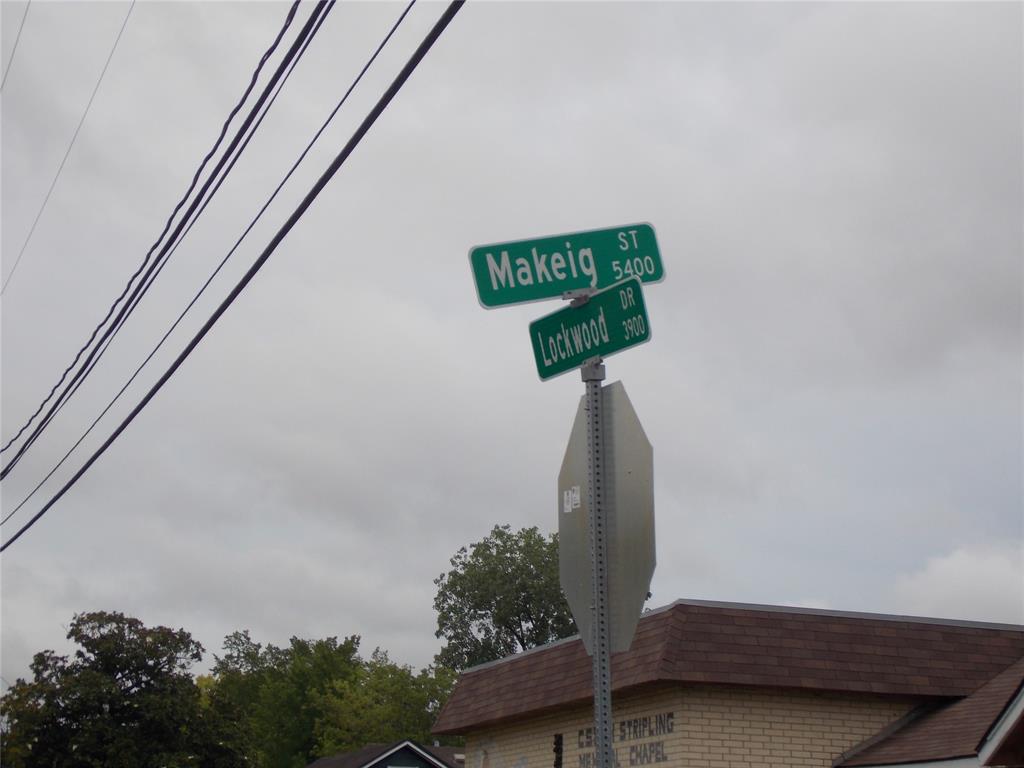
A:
x: 916, y: 713
x: 1008, y: 704
x: 803, y: 610
x: 948, y: 729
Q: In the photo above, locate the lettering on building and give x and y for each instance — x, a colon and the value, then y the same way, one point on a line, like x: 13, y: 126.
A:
x: 634, y: 729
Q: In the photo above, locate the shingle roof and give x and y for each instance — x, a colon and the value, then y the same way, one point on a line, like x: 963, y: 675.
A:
x: 956, y: 730
x: 452, y: 756
x: 371, y: 752
x: 694, y: 641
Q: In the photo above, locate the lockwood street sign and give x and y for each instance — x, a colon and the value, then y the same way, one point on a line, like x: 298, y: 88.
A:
x: 547, y: 267
x: 610, y: 321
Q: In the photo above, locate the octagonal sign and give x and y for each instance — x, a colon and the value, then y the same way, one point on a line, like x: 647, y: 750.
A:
x: 629, y: 505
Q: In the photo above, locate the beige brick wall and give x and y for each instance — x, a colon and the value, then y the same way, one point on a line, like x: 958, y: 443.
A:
x: 696, y: 726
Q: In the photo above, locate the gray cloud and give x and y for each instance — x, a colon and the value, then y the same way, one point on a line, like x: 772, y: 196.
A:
x: 832, y: 390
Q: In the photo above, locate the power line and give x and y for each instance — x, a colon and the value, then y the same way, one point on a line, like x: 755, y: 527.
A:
x: 297, y: 214
x: 15, y: 49
x: 317, y: 20
x: 150, y: 277
x: 195, y: 179
x: 216, y: 271
x: 252, y: 82
x: 308, y: 30
x: 74, y: 137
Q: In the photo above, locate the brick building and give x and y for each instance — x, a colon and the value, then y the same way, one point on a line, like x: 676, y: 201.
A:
x: 728, y: 685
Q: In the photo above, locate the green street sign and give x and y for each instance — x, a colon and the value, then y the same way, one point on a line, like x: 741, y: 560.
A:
x: 612, y: 320
x: 547, y: 267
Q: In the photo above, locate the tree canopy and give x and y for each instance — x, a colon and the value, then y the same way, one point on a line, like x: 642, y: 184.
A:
x: 383, y: 702
x: 501, y: 596
x: 273, y: 695
x: 126, y: 698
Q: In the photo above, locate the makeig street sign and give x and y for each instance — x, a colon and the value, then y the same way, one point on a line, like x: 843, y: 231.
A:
x: 548, y: 267
x: 610, y: 321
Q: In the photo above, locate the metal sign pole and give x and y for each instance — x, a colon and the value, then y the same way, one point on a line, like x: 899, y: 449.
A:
x: 593, y: 375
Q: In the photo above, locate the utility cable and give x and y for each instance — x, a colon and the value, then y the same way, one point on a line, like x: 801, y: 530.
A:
x: 151, y: 277
x: 146, y: 281
x: 172, y: 245
x: 195, y: 179
x: 297, y: 214
x: 14, y: 50
x: 74, y: 137
x: 310, y: 29
x: 312, y: 24
x: 238, y: 242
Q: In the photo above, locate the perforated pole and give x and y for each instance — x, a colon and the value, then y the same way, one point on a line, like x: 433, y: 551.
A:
x: 593, y: 375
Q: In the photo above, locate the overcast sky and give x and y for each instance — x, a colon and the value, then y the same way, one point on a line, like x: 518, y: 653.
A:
x: 834, y: 385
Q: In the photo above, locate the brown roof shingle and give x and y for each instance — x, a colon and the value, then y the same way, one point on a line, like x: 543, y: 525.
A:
x: 725, y: 643
x: 956, y: 730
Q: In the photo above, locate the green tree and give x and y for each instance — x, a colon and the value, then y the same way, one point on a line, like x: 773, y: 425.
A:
x: 274, y: 696
x: 126, y: 699
x: 501, y: 596
x: 383, y: 702
x: 232, y: 692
